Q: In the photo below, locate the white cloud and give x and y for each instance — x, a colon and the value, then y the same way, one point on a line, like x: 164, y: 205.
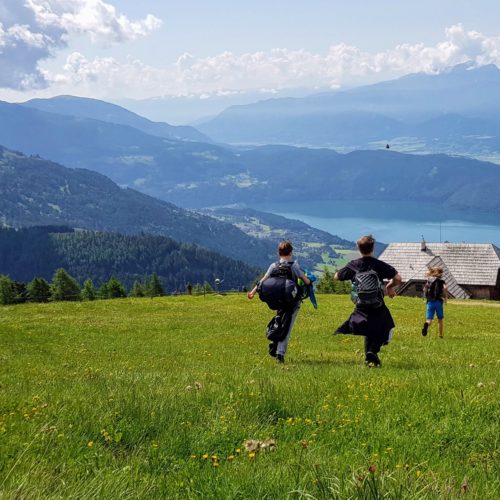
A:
x: 94, y: 17
x: 277, y: 68
x: 227, y: 72
x: 32, y: 30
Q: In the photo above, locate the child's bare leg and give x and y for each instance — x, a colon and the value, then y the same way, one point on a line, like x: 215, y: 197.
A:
x: 427, y: 324
x: 441, y: 327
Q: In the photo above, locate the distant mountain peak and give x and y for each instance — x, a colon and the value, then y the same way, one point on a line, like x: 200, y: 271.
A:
x: 472, y: 66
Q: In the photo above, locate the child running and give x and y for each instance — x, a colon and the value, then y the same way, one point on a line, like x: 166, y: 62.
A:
x: 285, y: 254
x: 436, y: 293
x: 371, y: 317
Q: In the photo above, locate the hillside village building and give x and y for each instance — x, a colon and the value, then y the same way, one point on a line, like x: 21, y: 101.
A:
x: 471, y: 270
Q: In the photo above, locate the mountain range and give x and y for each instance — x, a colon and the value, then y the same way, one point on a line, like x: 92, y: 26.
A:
x: 195, y: 174
x: 112, y: 113
x: 455, y: 111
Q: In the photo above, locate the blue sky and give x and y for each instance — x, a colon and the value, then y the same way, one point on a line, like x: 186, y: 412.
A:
x: 126, y: 48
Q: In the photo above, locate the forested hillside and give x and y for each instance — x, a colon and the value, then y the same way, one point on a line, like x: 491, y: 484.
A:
x: 39, y: 251
x: 34, y: 191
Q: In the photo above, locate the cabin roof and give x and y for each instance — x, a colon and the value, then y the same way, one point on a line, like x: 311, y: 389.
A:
x: 468, y: 263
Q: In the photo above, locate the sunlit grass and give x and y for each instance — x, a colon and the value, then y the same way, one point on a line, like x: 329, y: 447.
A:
x: 176, y: 397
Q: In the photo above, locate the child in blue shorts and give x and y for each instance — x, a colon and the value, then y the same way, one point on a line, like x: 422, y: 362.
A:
x: 436, y: 294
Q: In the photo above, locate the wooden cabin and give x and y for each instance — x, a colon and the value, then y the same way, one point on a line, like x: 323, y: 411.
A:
x: 471, y: 270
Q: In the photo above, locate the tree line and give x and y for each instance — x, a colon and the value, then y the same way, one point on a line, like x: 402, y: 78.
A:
x: 65, y: 287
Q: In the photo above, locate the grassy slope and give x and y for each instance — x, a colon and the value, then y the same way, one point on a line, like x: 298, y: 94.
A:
x: 123, y: 398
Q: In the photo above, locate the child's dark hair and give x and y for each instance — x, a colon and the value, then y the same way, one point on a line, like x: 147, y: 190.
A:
x: 285, y: 248
x: 366, y: 244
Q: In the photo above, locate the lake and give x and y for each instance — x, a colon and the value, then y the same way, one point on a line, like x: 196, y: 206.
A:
x: 393, y: 221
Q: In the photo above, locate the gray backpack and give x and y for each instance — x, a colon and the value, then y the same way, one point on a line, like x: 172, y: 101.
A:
x: 367, y: 290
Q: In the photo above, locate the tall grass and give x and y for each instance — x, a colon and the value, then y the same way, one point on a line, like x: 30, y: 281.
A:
x: 155, y: 398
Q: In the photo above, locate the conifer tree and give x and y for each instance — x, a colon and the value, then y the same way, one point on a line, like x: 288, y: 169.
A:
x: 64, y: 286
x: 20, y: 292
x: 7, y: 292
x: 326, y: 282
x: 88, y: 291
x: 137, y: 289
x: 115, y: 289
x: 102, y: 292
x: 154, y: 287
x: 38, y: 290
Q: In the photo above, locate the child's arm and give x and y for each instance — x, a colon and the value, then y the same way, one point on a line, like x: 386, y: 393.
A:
x: 253, y: 291
x: 305, y: 279
x: 392, y: 284
x: 445, y: 293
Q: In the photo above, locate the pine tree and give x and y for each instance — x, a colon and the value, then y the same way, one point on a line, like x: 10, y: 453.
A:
x: 115, y: 289
x: 326, y: 282
x: 64, y: 286
x: 39, y: 290
x: 154, y: 287
x: 103, y: 293
x: 7, y: 292
x: 137, y: 289
x: 20, y: 291
x: 88, y: 291
x: 189, y: 289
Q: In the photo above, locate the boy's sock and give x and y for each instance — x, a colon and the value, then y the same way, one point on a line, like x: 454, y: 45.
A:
x: 425, y: 328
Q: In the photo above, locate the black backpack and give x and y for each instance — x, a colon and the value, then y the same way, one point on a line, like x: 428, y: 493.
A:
x: 367, y: 290
x: 277, y: 328
x: 279, y: 291
x: 433, y: 289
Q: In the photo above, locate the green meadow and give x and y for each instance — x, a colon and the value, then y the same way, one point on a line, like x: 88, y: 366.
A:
x: 176, y: 397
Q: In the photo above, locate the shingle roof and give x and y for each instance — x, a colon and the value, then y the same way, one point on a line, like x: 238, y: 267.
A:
x: 469, y: 263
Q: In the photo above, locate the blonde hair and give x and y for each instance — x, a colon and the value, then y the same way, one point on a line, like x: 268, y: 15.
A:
x: 435, y: 271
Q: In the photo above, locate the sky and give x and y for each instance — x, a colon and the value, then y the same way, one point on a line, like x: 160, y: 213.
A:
x: 116, y: 49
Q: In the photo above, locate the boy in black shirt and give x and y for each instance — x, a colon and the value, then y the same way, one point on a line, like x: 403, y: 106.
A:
x: 372, y: 320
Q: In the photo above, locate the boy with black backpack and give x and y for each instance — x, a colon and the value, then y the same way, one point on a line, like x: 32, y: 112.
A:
x: 371, y: 317
x: 280, y: 290
x: 436, y: 292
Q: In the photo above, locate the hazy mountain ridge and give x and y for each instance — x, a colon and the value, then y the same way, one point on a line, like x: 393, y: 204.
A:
x: 193, y: 174
x: 127, y: 155
x: 104, y: 111
x: 379, y: 112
